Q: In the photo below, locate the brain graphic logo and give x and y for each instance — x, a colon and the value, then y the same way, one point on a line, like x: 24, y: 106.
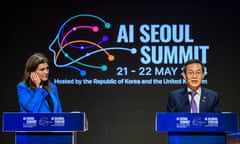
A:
x: 81, y: 38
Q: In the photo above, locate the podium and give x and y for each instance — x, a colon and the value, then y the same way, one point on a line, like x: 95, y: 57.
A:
x: 196, y: 128
x: 45, y: 128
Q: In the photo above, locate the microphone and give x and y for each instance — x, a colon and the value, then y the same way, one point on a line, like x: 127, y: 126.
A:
x: 41, y: 84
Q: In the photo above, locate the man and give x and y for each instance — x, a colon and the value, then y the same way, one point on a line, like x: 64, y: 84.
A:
x: 203, y: 99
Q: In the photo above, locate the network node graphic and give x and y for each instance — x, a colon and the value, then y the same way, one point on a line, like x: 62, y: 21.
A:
x: 82, y: 38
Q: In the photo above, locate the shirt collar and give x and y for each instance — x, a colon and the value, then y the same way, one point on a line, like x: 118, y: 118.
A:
x: 198, y: 90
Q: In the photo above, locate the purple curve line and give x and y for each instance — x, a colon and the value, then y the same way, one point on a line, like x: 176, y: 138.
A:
x: 94, y: 29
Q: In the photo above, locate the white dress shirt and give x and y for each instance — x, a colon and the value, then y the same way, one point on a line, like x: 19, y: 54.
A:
x: 196, y: 97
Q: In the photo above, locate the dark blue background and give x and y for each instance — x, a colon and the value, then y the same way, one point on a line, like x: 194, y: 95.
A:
x: 119, y: 114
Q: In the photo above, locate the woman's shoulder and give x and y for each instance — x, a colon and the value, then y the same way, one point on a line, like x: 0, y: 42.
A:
x: 21, y: 84
x: 53, y: 85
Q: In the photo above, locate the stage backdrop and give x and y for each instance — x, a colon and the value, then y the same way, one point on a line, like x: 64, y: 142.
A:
x: 118, y: 60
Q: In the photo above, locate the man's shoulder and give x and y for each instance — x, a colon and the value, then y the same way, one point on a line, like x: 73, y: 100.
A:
x: 207, y: 90
x: 179, y: 90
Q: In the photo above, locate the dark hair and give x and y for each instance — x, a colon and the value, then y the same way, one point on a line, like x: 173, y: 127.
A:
x: 31, y: 65
x: 191, y: 61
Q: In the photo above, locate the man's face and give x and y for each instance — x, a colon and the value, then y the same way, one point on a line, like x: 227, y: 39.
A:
x: 193, y: 75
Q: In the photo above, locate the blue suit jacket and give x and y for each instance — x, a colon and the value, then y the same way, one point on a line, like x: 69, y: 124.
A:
x: 178, y: 101
x: 35, y: 101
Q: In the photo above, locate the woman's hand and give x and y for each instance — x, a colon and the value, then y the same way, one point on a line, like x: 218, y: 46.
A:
x: 35, y: 79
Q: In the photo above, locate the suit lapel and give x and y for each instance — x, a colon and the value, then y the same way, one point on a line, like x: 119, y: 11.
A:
x: 203, y: 100
x: 187, y: 107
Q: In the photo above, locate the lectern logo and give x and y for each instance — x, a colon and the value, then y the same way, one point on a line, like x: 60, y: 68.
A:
x: 44, y: 121
x: 198, y: 121
x: 29, y: 122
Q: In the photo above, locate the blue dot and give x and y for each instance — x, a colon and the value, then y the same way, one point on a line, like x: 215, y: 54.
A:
x: 83, y: 73
x: 104, y: 67
x: 107, y: 25
x: 133, y: 50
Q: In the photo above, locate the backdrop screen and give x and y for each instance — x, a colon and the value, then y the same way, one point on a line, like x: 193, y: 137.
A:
x: 117, y: 61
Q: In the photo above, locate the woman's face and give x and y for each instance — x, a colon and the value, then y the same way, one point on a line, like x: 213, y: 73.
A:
x: 43, y: 71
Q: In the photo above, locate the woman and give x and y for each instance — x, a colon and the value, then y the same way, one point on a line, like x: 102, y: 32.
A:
x: 35, y: 92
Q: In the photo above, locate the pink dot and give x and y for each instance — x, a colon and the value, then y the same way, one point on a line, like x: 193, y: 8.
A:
x: 74, y: 28
x: 95, y: 29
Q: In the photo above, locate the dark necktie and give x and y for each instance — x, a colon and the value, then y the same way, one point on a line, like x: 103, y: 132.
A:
x: 193, y: 103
